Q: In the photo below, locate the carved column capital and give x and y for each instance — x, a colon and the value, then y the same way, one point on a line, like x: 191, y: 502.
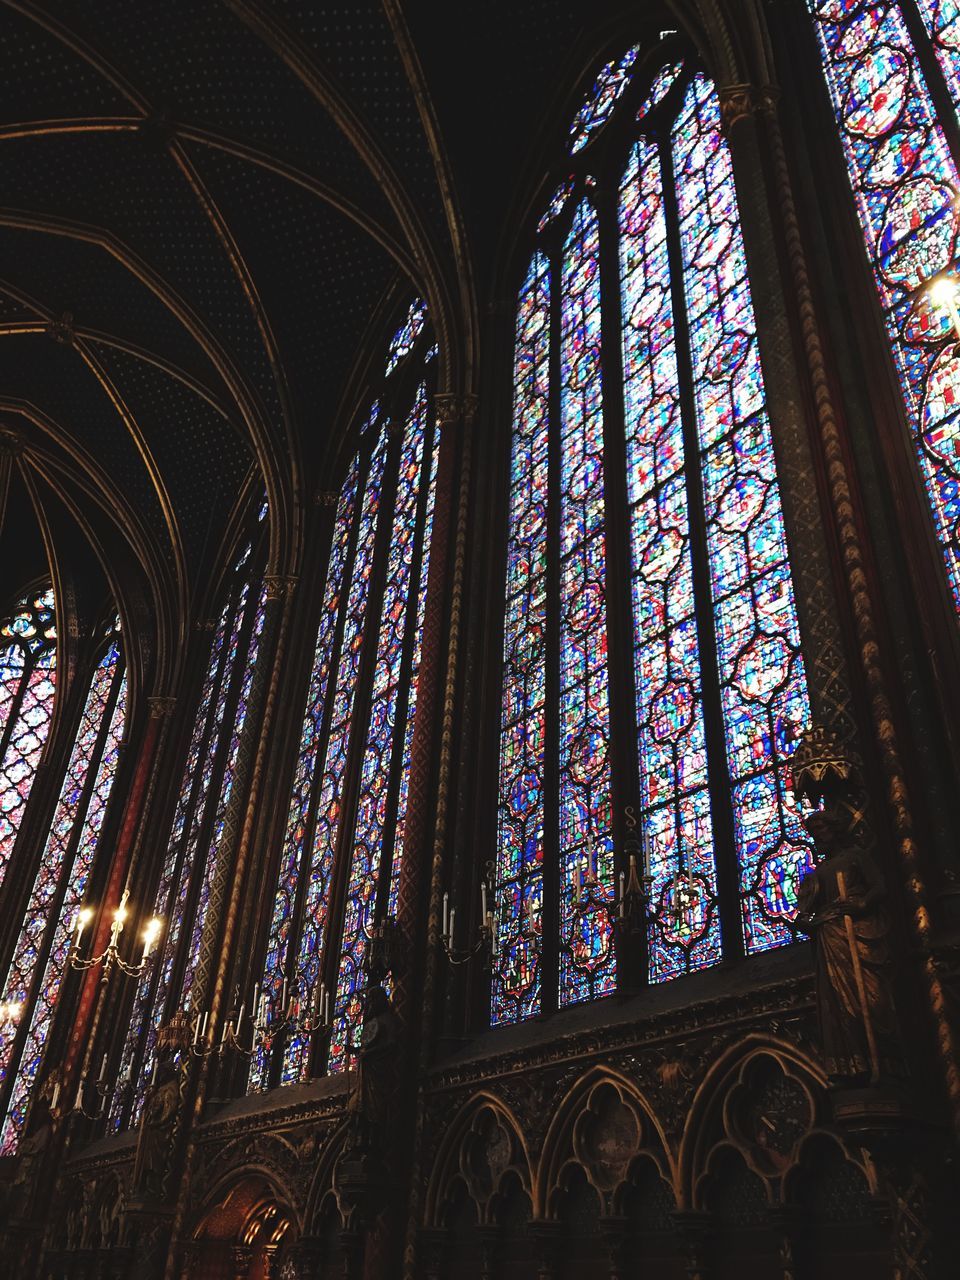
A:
x: 160, y: 706
x: 737, y: 102
x: 767, y: 98
x: 279, y: 585
x: 453, y: 408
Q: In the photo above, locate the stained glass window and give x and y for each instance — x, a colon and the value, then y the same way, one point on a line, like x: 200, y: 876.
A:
x: 39, y: 962
x: 340, y: 861
x: 194, y: 847
x: 28, y: 660
x: 906, y: 184
x: 717, y: 679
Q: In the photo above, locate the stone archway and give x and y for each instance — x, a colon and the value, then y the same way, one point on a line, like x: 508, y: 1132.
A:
x: 245, y: 1234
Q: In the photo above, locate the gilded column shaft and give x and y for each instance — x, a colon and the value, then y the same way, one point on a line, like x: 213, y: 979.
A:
x: 861, y: 604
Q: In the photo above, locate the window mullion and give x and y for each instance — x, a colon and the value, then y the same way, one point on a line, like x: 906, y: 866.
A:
x: 943, y: 102
x: 550, y: 907
x: 350, y: 785
x: 430, y: 442
x: 724, y: 837
x: 210, y: 800
x: 624, y: 765
x: 16, y: 704
x: 316, y: 786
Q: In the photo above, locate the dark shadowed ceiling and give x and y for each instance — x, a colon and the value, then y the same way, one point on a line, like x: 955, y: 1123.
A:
x: 209, y: 212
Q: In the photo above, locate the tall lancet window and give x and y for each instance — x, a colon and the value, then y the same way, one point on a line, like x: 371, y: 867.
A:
x: 36, y: 969
x: 344, y: 838
x: 194, y: 853
x: 640, y: 423
x: 28, y: 666
x: 888, y: 67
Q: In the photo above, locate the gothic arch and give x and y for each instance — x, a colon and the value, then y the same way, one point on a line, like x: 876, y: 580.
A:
x: 603, y: 1124
x: 725, y: 1114
x: 479, y: 1156
x: 327, y: 1149
x: 268, y: 1159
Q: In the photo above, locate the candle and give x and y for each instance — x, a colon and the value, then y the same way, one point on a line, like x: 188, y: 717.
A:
x: 283, y: 997
x: 55, y: 1097
x: 262, y: 1012
x: 623, y: 889
x: 203, y: 1029
x: 103, y: 1070
x: 78, y: 1101
x: 446, y: 917
x: 453, y: 924
x: 243, y: 1008
x: 326, y: 1007
x: 483, y: 898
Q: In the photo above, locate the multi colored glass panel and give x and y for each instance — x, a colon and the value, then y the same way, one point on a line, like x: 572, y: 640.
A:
x: 59, y: 888
x: 763, y: 686
x: 28, y: 674
x: 329, y: 809
x: 602, y: 99
x: 906, y: 186
x: 405, y: 338
x: 386, y: 735
x: 715, y: 589
x: 183, y: 894
x: 683, y: 931
x: 298, y: 814
x: 519, y: 863
x: 587, y: 960
x: 357, y: 732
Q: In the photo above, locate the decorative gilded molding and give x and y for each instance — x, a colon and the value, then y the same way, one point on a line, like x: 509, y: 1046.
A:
x: 737, y: 102
x: 326, y: 497
x: 279, y: 585
x: 160, y: 706
x: 62, y: 329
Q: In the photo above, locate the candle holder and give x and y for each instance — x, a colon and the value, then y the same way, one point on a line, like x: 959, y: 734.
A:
x: 297, y: 1015
x: 484, y: 946
x: 627, y: 912
x: 110, y: 957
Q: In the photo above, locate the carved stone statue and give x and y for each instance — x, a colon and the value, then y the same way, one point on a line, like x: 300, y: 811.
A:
x: 156, y: 1131
x: 371, y: 1101
x: 841, y: 907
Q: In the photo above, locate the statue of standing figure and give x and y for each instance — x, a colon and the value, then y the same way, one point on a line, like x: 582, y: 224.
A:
x: 156, y: 1131
x: 842, y: 909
